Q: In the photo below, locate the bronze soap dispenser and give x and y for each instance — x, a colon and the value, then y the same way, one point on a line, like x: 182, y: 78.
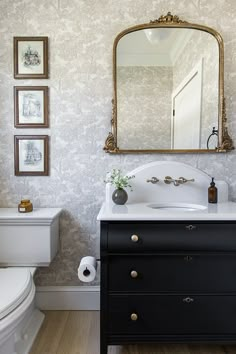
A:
x: 212, y: 192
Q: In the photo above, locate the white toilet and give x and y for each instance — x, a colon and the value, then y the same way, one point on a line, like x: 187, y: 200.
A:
x: 26, y: 241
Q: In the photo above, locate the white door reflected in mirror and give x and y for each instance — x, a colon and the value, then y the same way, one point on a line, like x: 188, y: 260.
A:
x: 186, y: 132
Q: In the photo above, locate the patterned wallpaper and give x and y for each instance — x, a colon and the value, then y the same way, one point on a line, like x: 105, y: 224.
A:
x: 148, y: 127
x: 81, y: 34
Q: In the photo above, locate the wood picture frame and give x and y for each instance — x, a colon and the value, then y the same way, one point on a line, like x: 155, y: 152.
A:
x: 31, y: 107
x: 30, y: 57
x: 31, y: 153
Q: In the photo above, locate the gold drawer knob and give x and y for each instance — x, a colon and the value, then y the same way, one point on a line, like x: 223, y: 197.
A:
x: 188, y: 300
x: 134, y: 274
x: 134, y: 238
x: 134, y: 316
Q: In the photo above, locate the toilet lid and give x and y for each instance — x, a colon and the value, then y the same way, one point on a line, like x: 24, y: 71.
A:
x: 15, y: 285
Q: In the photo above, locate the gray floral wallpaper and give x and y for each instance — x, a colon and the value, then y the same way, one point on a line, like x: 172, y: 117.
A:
x: 81, y: 34
x: 144, y: 87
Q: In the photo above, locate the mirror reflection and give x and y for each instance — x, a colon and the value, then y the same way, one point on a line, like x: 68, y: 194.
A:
x: 167, y: 89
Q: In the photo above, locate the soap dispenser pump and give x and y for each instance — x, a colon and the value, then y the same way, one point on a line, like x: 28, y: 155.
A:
x: 212, y: 192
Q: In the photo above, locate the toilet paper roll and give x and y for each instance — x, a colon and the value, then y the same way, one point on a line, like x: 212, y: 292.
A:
x: 87, y: 269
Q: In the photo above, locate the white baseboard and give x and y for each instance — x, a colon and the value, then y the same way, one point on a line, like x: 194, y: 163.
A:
x: 68, y: 297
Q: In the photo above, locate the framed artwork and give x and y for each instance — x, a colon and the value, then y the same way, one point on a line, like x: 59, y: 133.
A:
x: 31, y: 106
x: 31, y: 155
x: 30, y: 57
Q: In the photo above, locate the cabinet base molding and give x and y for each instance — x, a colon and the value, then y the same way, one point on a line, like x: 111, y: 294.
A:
x: 175, y: 339
x: 68, y: 298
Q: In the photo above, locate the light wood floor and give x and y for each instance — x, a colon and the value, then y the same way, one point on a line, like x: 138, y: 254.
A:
x: 77, y: 332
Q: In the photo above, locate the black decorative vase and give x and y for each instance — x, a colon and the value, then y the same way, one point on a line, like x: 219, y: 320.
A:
x: 119, y: 196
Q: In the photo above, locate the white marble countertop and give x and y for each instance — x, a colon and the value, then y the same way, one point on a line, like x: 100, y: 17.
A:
x: 140, y: 211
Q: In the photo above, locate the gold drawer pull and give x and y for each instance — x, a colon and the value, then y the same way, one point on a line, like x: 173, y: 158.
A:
x: 188, y: 258
x: 134, y: 316
x: 134, y: 238
x: 134, y: 274
x: 188, y: 300
x: 191, y: 227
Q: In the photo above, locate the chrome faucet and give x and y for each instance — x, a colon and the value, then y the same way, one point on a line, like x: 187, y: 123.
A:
x: 183, y: 180
x: 178, y: 181
x: 153, y: 180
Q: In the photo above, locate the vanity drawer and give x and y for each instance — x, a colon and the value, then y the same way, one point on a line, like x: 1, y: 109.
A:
x: 172, y: 314
x: 132, y: 237
x: 172, y: 273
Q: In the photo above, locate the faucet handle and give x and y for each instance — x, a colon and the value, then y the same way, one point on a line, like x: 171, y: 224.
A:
x: 153, y: 180
x: 177, y: 182
x: 184, y: 180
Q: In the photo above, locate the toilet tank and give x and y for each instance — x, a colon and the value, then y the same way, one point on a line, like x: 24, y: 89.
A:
x: 28, y: 239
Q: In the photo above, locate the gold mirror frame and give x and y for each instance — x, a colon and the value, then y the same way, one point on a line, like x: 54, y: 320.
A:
x: 169, y: 21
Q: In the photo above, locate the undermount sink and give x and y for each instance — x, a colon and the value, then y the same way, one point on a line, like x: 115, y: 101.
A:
x: 177, y: 206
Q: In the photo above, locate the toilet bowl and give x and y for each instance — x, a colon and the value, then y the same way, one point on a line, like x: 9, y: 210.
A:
x: 25, y: 242
x: 19, y: 319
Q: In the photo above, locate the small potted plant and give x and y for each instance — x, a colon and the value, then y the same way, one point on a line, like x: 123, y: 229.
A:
x: 119, y: 196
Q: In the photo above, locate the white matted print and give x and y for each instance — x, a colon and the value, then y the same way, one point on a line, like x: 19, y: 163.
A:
x: 31, y: 155
x: 30, y: 57
x: 31, y: 106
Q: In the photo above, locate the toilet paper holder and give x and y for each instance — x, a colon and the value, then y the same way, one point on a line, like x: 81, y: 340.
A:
x: 87, y: 269
x: 86, y: 272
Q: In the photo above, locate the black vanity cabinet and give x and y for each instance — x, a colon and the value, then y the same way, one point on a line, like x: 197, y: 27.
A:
x: 167, y: 282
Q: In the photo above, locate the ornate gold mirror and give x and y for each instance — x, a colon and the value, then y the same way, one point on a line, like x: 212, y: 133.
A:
x: 168, y: 89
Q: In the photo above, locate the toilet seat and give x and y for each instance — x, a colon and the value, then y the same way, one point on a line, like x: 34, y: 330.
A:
x: 16, y: 284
